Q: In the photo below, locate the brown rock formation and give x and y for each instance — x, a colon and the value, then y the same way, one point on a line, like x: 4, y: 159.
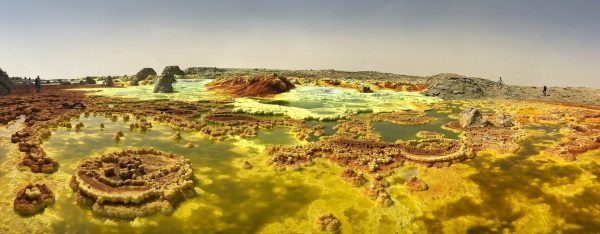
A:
x: 33, y: 199
x: 132, y: 183
x: 353, y: 177
x: 471, y: 117
x: 328, y: 222
x: 579, y: 139
x: 414, y: 184
x: 258, y: 86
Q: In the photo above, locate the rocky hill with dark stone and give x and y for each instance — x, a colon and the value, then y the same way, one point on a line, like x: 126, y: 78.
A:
x: 173, y: 70
x: 452, y: 86
x: 5, y: 83
x: 456, y: 87
x: 165, y: 82
x: 142, y: 75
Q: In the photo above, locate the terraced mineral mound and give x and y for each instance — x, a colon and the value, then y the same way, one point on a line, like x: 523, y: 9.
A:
x: 132, y: 183
x: 257, y: 86
x: 32, y: 199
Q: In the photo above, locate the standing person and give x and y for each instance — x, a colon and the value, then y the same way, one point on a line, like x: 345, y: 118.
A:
x: 545, y: 89
x: 38, y: 84
x: 27, y: 83
x: 500, y: 82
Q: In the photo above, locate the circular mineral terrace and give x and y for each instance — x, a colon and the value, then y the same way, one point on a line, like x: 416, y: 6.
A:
x: 132, y: 183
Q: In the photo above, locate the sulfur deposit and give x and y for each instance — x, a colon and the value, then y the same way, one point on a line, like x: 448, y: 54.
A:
x: 132, y: 183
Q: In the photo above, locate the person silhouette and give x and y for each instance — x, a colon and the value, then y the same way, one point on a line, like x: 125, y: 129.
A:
x: 27, y: 83
x: 38, y: 84
x: 545, y: 89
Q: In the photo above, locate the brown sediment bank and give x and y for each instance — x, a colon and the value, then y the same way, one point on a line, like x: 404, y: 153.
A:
x: 257, y: 86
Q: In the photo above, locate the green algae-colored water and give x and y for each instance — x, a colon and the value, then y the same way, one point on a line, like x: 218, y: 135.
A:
x: 391, y: 132
x: 185, y: 90
x: 527, y: 192
x: 229, y: 199
x: 303, y: 102
x: 522, y: 192
x: 330, y: 103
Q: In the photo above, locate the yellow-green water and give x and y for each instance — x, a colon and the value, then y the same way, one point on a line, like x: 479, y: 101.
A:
x: 524, y: 192
x: 229, y: 199
x: 330, y: 103
x: 185, y: 90
x: 391, y: 132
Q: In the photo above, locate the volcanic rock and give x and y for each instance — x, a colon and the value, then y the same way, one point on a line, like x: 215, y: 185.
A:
x: 165, y: 82
x: 452, y: 86
x: 142, y: 75
x: 470, y: 117
x: 32, y: 199
x: 258, y: 86
x: 173, y: 71
x: 5, y: 84
x: 109, y: 81
x: 89, y: 80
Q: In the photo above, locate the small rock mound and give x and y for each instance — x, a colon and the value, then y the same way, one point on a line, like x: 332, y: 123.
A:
x: 414, y: 184
x: 258, y: 86
x: 142, y: 75
x: 353, y: 177
x: 328, y: 222
x: 132, y: 183
x: 32, y: 199
x: 503, y: 120
x: 246, y: 165
x: 5, y: 84
x: 470, y: 117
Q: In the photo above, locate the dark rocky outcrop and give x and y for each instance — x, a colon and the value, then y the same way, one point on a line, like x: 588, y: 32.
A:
x: 88, y: 80
x: 257, y: 86
x: 142, y: 75
x: 173, y: 70
x: 165, y: 82
x: 452, y: 86
x: 32, y: 199
x: 109, y: 81
x: 5, y: 84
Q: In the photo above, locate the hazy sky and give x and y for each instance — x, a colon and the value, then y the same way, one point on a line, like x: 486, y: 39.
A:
x: 526, y: 42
